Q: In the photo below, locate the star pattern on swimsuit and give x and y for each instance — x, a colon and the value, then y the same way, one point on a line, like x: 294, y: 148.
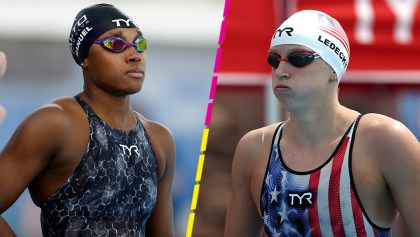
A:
x: 284, y: 214
x: 283, y: 176
x: 265, y: 218
x: 268, y: 179
x: 276, y: 234
x: 274, y: 194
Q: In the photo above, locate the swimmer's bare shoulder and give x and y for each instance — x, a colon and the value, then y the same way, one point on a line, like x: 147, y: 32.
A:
x: 255, y: 145
x: 42, y: 142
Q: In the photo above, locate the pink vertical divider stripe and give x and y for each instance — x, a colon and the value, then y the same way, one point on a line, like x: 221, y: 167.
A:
x: 218, y: 59
x: 217, y: 65
x: 213, y: 88
x: 209, y: 112
x: 210, y: 104
x: 227, y: 6
x: 222, y: 33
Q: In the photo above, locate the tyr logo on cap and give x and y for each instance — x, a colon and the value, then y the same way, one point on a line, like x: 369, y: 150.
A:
x: 127, y: 22
x: 287, y: 30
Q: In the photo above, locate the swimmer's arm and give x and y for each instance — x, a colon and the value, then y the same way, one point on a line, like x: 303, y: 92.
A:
x: 242, y: 218
x: 27, y: 153
x: 399, y: 153
x: 5, y: 230
x: 161, y: 221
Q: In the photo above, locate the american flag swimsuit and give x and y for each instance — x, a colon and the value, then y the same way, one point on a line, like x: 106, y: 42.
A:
x: 321, y: 202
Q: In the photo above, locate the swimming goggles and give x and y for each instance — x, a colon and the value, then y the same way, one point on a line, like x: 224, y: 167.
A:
x: 117, y: 44
x: 297, y: 59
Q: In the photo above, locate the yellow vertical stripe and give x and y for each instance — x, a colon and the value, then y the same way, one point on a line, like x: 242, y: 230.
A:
x: 190, y: 224
x: 203, y: 147
x: 195, y: 196
x: 199, y: 168
x: 204, y: 140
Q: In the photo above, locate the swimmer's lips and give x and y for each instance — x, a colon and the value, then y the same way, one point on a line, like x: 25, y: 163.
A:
x: 136, y: 73
x: 281, y: 88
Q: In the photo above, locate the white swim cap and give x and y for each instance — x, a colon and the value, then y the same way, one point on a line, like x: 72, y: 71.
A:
x: 319, y: 32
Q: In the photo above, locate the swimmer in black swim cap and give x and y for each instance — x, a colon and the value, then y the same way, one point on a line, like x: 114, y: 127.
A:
x: 92, y: 22
x: 94, y: 165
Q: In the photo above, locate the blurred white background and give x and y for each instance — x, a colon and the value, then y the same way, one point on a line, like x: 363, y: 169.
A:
x: 183, y: 38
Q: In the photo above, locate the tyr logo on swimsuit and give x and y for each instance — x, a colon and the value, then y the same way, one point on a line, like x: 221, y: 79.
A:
x: 300, y: 199
x: 129, y: 149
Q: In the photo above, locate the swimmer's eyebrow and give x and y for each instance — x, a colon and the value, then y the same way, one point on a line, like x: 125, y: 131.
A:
x: 120, y: 33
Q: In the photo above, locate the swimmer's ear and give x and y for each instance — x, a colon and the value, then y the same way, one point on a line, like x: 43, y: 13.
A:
x: 84, y: 64
x: 334, y: 76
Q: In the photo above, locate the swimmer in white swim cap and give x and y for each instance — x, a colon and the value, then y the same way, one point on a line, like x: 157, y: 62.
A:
x: 326, y: 170
x: 318, y: 32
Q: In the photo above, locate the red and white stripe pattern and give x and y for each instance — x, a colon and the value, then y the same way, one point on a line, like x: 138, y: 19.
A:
x: 337, y: 212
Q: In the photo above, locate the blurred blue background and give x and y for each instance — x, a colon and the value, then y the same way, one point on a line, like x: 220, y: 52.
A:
x: 183, y: 38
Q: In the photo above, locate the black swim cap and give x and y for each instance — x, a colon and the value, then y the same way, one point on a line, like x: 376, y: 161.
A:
x: 92, y: 22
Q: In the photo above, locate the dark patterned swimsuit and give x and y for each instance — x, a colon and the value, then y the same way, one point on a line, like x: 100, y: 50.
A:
x: 112, y: 192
